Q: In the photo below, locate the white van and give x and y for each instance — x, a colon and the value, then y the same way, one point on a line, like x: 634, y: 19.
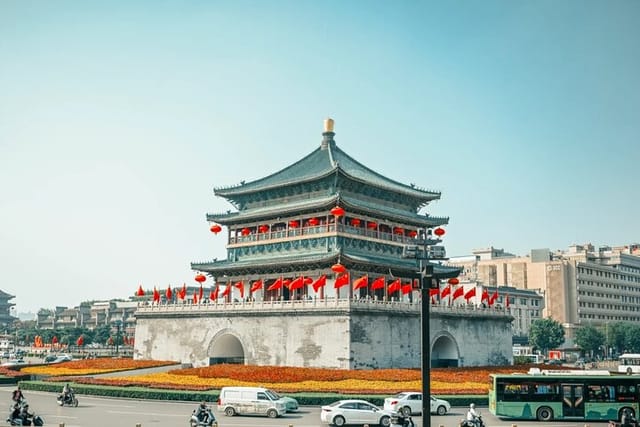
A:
x: 251, y: 401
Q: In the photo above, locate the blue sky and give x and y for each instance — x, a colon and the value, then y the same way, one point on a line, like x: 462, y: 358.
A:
x: 117, y: 120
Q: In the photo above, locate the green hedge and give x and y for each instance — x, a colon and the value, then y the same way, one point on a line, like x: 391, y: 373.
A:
x: 307, y: 399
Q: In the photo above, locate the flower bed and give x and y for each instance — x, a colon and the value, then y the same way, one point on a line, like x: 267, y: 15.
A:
x: 446, y: 381
x: 93, y: 366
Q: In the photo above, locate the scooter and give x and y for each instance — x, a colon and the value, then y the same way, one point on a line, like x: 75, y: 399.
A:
x: 466, y: 423
x: 19, y: 415
x: 211, y: 421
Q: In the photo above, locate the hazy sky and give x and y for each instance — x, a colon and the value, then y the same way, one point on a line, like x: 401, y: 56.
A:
x: 117, y: 120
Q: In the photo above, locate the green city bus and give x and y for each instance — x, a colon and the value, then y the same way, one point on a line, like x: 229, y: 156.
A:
x: 563, y: 395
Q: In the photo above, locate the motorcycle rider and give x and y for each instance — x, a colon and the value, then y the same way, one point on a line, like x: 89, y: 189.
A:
x: 25, y: 414
x: 627, y: 420
x: 473, y: 416
x: 203, y: 413
x: 17, y: 395
x: 67, y: 393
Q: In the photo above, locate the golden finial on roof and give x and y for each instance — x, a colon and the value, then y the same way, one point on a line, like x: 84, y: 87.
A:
x: 328, y: 125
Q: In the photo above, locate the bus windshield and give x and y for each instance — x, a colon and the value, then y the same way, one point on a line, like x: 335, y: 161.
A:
x: 560, y: 395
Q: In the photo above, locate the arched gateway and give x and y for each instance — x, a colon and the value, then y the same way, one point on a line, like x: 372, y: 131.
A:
x: 325, y: 261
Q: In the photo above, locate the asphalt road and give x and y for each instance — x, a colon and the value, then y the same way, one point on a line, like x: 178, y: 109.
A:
x: 94, y: 411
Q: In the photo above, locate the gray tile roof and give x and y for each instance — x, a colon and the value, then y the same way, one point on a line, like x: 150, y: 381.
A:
x: 319, y: 163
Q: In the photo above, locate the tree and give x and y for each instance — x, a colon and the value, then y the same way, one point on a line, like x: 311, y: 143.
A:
x: 632, y: 339
x: 546, y: 334
x: 616, y: 336
x: 589, y: 339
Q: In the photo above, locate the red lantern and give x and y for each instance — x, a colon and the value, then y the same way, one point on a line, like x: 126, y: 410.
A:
x: 263, y: 228
x: 372, y: 225
x: 454, y: 281
x: 355, y: 222
x: 398, y: 230
x: 200, y: 278
x: 439, y: 232
x: 215, y: 229
x: 245, y: 231
x: 337, y: 211
x: 314, y: 221
x: 338, y: 268
x: 413, y: 233
x: 294, y: 224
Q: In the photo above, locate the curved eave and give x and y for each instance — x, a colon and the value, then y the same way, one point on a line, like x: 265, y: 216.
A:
x: 326, y: 203
x: 422, y: 196
x: 293, y: 264
x: 237, y: 195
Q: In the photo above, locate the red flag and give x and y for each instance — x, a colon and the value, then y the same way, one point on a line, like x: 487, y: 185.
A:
x: 470, y: 293
x: 257, y: 285
x: 80, y: 340
x: 297, y: 283
x: 201, y: 293
x: 275, y: 285
x: 213, y: 294
x: 341, y: 280
x: 446, y: 291
x: 240, y: 286
x: 140, y: 292
x: 493, y: 298
x: 378, y: 283
x: 394, y: 286
x: 308, y: 280
x: 286, y: 282
x: 458, y: 292
x: 434, y: 292
x: 54, y: 340
x: 506, y: 296
x: 362, y: 282
x: 156, y: 295
x: 169, y: 294
x: 195, y: 296
x: 485, y: 295
x: 226, y: 291
x: 319, y: 283
x: 406, y: 288
x: 183, y: 292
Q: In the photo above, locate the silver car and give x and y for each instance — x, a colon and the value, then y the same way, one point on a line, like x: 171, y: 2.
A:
x: 410, y: 403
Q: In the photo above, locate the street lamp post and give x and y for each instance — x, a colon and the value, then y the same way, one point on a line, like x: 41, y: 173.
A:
x: 420, y: 251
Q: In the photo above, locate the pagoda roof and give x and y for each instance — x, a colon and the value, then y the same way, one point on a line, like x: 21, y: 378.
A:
x: 376, y: 210
x: 315, y: 261
x: 325, y: 160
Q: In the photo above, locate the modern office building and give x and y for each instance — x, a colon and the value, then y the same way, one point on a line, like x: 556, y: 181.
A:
x: 581, y: 285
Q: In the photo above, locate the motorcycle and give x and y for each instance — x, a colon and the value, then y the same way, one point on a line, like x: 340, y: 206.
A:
x: 398, y: 419
x: 68, y: 399
x: 197, y: 420
x: 19, y: 415
x: 478, y: 423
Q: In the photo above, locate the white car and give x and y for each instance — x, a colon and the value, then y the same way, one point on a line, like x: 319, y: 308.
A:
x: 410, y: 403
x: 354, y: 411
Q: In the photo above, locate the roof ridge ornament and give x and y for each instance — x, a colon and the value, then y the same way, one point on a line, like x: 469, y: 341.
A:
x: 328, y: 134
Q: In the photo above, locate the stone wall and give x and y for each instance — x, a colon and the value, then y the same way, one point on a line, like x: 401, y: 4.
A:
x: 345, y: 334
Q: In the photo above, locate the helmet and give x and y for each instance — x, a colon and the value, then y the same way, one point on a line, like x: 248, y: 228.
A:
x: 473, y: 405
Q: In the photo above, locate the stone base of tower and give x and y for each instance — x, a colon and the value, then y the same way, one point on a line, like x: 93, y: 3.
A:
x: 345, y: 334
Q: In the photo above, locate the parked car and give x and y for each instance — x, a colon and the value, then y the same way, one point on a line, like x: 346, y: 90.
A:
x: 14, y: 362
x: 50, y: 358
x: 354, y: 411
x: 410, y: 403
